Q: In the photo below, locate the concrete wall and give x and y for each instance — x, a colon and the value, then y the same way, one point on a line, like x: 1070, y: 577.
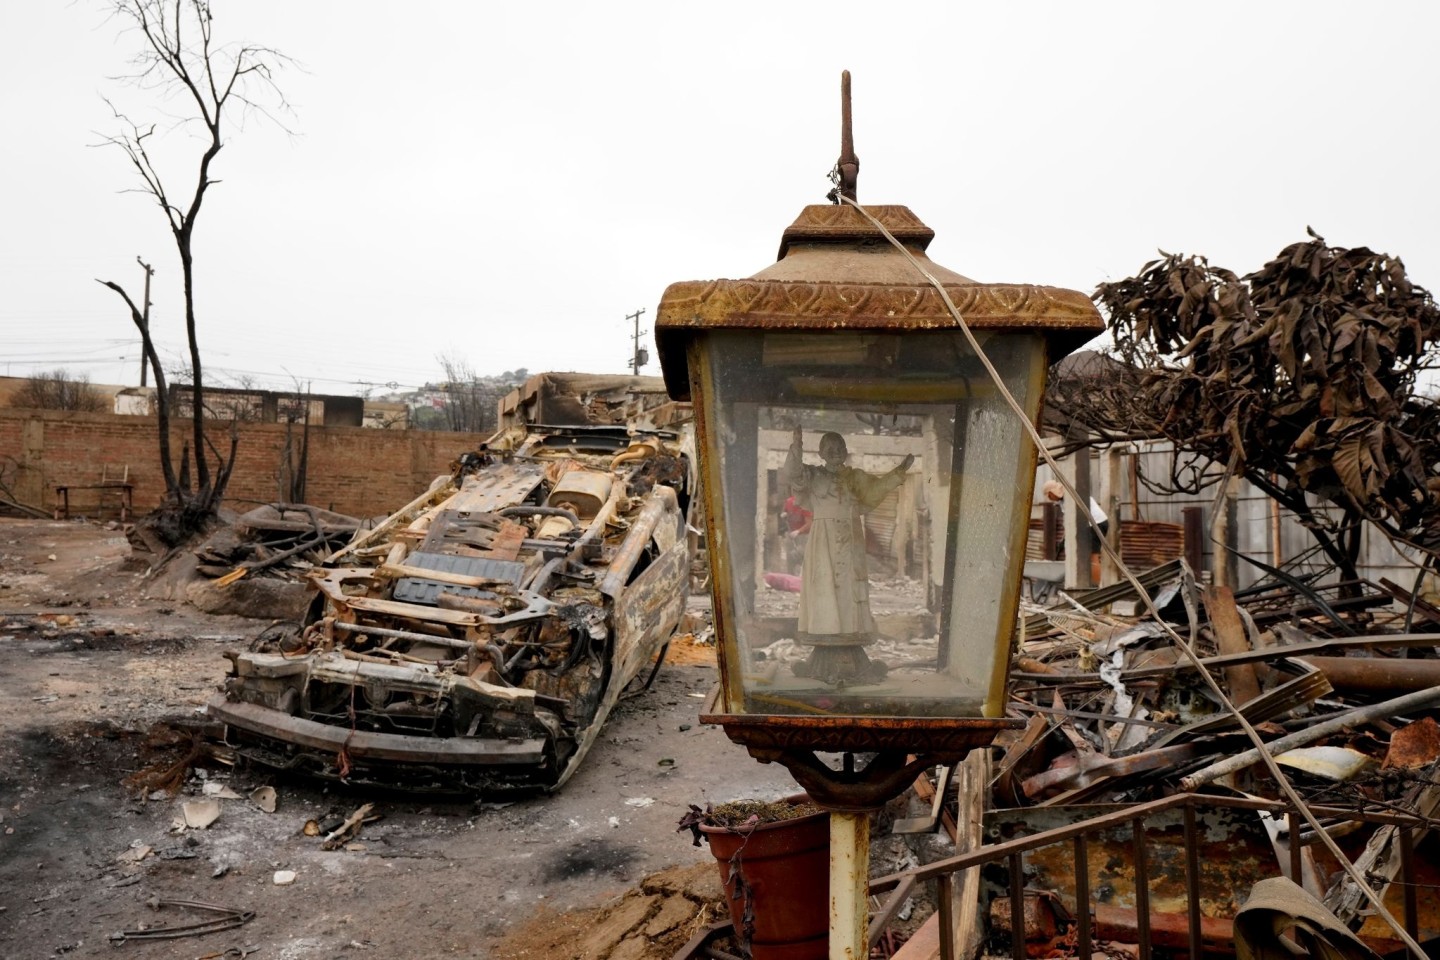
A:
x: 351, y: 469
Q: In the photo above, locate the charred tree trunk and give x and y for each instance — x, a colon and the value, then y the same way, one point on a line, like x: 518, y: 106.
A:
x: 178, y: 55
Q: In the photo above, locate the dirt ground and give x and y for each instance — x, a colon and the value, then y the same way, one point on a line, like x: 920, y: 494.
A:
x: 95, y: 680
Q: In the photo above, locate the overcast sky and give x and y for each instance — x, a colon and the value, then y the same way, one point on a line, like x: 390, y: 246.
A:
x: 506, y: 182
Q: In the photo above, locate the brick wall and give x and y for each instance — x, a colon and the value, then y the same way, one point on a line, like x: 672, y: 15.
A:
x: 353, y: 470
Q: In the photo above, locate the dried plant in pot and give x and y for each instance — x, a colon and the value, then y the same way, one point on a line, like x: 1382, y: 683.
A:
x: 774, y: 860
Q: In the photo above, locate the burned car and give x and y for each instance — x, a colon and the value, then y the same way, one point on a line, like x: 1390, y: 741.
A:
x: 475, y: 640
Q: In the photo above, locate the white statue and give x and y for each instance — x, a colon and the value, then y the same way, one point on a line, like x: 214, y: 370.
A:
x: 834, y: 583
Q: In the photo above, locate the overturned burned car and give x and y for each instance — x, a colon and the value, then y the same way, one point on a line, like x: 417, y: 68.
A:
x: 475, y: 640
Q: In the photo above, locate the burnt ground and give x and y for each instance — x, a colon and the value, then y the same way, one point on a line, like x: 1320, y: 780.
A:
x: 98, y: 683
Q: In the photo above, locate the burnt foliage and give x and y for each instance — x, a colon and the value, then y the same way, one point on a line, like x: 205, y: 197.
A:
x: 1304, y: 375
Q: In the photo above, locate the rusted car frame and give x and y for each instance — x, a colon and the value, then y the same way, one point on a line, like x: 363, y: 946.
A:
x: 476, y: 640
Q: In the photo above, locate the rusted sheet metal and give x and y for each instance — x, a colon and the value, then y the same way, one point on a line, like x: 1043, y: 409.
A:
x: 1234, y: 853
x: 1149, y: 543
x: 1414, y: 745
x: 490, y: 625
x: 647, y: 611
x: 1050, y: 927
x: 634, y: 547
x: 1143, y: 543
x: 1044, y: 917
x: 1170, y: 931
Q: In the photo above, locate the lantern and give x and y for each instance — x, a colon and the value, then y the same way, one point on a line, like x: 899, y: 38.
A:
x: 867, y: 478
x: 867, y: 489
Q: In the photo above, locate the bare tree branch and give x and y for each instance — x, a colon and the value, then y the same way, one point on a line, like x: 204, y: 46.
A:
x: 1306, y: 371
x: 220, y: 84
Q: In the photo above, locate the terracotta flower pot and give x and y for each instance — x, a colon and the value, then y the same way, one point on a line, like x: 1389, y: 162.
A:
x: 786, y: 871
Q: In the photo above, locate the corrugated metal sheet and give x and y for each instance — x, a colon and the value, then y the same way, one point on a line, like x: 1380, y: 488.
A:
x: 1143, y: 543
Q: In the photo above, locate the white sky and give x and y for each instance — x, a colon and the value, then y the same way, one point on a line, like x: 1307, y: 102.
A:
x: 505, y: 182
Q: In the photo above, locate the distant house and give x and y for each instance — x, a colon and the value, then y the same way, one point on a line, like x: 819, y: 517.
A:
x: 387, y: 415
x: 270, y: 406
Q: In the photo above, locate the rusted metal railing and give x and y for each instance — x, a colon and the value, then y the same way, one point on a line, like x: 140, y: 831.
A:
x: 1012, y: 854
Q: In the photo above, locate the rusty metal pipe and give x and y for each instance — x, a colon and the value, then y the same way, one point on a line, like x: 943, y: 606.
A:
x: 497, y: 660
x: 1142, y: 887
x: 1376, y: 675
x: 1082, y: 896
x: 1017, y: 906
x: 637, y: 451
x: 1192, y: 884
x: 541, y: 580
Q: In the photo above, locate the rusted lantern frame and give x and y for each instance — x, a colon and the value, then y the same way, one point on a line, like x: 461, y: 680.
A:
x: 690, y: 311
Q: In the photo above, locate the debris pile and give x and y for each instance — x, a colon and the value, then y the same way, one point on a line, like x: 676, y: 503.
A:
x: 1118, y: 713
x: 282, y: 540
x: 1343, y: 688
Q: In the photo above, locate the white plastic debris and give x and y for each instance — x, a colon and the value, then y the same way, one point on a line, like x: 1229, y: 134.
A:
x: 199, y: 814
x: 265, y: 798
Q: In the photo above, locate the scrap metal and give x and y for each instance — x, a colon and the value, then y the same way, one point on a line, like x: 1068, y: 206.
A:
x: 1090, y: 832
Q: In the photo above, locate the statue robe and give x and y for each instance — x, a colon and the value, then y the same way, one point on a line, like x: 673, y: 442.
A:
x: 834, y: 583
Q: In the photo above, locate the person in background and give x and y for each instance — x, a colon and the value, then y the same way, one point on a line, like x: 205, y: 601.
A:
x: 1054, y: 491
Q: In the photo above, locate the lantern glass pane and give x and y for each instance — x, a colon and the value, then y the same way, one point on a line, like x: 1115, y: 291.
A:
x: 874, y: 496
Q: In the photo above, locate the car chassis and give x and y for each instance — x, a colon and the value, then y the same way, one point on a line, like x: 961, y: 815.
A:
x: 476, y: 640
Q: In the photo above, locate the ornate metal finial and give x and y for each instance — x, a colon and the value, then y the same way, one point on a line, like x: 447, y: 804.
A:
x: 847, y: 168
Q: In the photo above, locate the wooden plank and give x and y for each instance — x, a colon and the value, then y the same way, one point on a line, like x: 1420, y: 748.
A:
x: 974, y: 786
x: 924, y: 944
x: 1229, y: 633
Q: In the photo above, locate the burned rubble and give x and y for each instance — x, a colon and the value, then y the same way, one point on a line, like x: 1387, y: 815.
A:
x: 282, y: 540
x: 1138, y: 801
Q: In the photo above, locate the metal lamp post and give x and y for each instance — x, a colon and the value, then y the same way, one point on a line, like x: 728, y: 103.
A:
x: 836, y: 386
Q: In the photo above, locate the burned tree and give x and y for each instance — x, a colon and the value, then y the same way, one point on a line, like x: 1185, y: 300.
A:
x: 219, y: 83
x: 471, y: 401
x: 1303, y: 377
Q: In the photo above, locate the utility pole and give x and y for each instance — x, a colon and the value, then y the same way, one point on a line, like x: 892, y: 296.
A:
x: 639, y: 356
x: 145, y: 318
